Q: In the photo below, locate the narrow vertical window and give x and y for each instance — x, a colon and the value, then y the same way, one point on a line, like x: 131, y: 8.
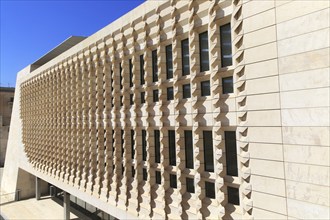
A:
x: 173, y: 181
x: 169, y: 62
x: 233, y: 195
x: 158, y: 177
x: 121, y: 101
x: 141, y: 70
x: 171, y: 147
x: 144, y: 174
x: 188, y: 142
x: 120, y: 76
x: 186, y: 91
x: 205, y: 87
x: 131, y: 102
x: 132, y: 143
x: 190, y: 185
x: 133, y: 171
x: 155, y: 95
x: 154, y: 66
x: 225, y: 38
x: 227, y: 85
x: 185, y: 57
x: 204, y: 51
x: 130, y: 73
x: 231, y: 153
x: 157, y: 145
x: 122, y: 143
x: 144, y: 145
x: 170, y: 95
x: 208, y: 151
x: 143, y: 99
x: 209, y: 190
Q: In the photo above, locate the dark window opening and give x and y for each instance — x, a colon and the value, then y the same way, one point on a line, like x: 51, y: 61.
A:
x: 231, y: 153
x: 185, y: 57
x: 186, y: 91
x: 169, y: 62
x: 205, y: 87
x: 208, y: 151
x: 188, y: 142
x: 154, y: 66
x: 204, y: 51
x: 190, y: 185
x: 227, y: 85
x: 233, y: 195
x: 225, y: 38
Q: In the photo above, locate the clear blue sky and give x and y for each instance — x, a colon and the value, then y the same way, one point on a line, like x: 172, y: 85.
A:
x: 29, y: 29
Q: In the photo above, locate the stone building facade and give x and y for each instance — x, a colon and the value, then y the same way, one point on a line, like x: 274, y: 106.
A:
x: 185, y: 109
x: 6, y: 106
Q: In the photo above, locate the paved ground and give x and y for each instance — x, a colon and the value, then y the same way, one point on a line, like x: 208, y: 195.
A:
x: 46, y: 208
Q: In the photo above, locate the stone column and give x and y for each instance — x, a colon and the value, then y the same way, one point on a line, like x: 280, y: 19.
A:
x: 66, y: 205
x: 38, y: 192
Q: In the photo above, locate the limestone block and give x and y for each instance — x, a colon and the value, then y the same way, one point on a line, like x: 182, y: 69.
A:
x: 262, y: 102
x: 256, y: 70
x: 306, y: 210
x: 261, y: 53
x: 305, y: 80
x: 296, y: 9
x: 306, y: 192
x: 306, y: 117
x: 255, y: 7
x: 278, y: 3
x: 307, y: 173
x: 265, y: 134
x: 259, y: 21
x: 306, y: 135
x: 228, y: 119
x: 264, y: 214
x: 262, y: 85
x: 269, y: 202
x: 267, y: 168
x: 304, y: 24
x: 260, y: 37
x: 268, y: 185
x: 264, y: 118
x: 227, y: 104
x: 304, y: 61
x: 307, y: 154
x: 266, y: 151
x: 304, y: 43
x: 305, y: 98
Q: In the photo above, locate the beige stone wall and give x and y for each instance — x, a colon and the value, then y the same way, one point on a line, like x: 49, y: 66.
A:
x: 70, y: 109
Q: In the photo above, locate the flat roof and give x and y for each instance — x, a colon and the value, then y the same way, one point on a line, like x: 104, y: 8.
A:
x: 62, y: 47
x: 7, y: 89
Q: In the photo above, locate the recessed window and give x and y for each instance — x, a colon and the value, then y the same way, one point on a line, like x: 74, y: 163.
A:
x: 155, y: 95
x: 233, y: 195
x: 158, y: 177
x: 122, y: 143
x: 120, y: 76
x: 142, y: 70
x: 132, y: 143
x: 185, y: 57
x: 154, y: 66
x: 144, y: 145
x: 144, y: 173
x: 121, y: 100
x: 188, y: 142
x: 204, y: 51
x: 131, y: 102
x: 173, y: 181
x: 190, y: 185
x: 169, y: 62
x: 157, y: 145
x: 133, y: 171
x: 227, y: 85
x: 143, y: 99
x: 208, y: 151
x: 170, y: 95
x: 205, y: 87
x: 186, y: 91
x: 225, y: 38
x: 231, y: 153
x: 130, y: 73
x: 171, y: 147
x: 209, y: 190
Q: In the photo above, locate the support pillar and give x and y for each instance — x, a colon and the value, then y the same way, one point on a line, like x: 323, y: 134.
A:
x: 66, y: 205
x: 38, y: 192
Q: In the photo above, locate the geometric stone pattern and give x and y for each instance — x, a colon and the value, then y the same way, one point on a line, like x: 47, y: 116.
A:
x: 77, y: 119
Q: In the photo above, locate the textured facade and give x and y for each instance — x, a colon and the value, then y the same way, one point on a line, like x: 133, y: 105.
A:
x: 131, y: 122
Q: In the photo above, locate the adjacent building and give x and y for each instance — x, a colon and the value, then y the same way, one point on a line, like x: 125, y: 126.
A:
x: 184, y: 110
x: 6, y: 106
